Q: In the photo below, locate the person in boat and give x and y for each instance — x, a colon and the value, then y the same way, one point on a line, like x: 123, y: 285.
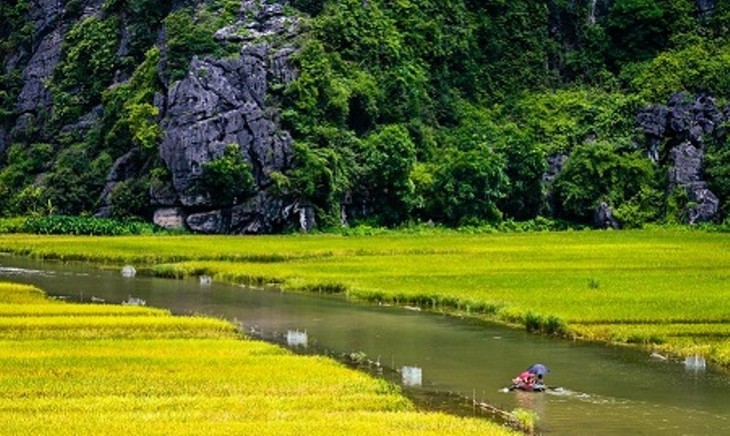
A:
x: 531, y: 379
x: 538, y: 370
x: 526, y: 380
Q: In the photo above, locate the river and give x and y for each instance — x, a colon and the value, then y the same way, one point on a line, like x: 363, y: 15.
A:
x: 601, y: 389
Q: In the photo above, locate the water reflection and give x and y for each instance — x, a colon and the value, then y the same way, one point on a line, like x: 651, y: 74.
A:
x: 295, y: 338
x: 412, y: 376
x: 695, y: 363
x: 129, y: 271
x: 534, y: 401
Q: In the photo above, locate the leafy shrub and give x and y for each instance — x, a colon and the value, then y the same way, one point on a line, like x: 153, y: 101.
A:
x: 523, y: 157
x: 718, y: 175
x: 389, y: 157
x: 17, y: 28
x: 324, y: 174
x: 77, y: 179
x: 467, y: 187
x: 642, y: 208
x: 76, y: 225
x: 636, y: 28
x: 143, y: 19
x: 86, y: 68
x: 129, y: 118
x: 130, y: 199
x: 184, y: 40
x: 526, y: 419
x: 24, y: 162
x: 312, y: 7
x: 533, y: 322
x: 325, y: 91
x: 30, y: 200
x: 525, y: 165
x: 677, y: 206
x: 640, y: 29
x: 228, y: 178
x: 551, y: 325
x: 562, y: 120
x: 190, y: 33
x: 17, y: 193
x: 11, y: 225
x: 519, y: 28
x: 598, y: 172
x: 697, y: 66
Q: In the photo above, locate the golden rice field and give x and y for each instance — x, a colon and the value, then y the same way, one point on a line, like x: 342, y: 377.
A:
x: 69, y: 369
x: 664, y: 288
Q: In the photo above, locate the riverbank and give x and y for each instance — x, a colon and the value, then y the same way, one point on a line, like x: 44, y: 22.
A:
x: 93, y: 369
x: 660, y: 289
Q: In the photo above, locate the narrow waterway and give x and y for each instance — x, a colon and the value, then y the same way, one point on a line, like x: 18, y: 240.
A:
x: 603, y: 390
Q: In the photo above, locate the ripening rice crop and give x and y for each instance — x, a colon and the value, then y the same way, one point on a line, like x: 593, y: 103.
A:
x: 83, y: 369
x: 15, y: 295
x: 50, y: 308
x: 599, y: 285
x: 559, y: 282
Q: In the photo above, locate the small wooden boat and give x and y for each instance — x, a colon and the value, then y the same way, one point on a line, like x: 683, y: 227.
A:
x: 528, y: 387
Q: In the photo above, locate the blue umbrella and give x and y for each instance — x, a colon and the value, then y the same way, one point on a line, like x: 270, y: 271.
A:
x: 538, y: 369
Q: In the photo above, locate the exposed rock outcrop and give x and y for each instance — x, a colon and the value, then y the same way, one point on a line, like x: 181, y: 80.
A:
x: 686, y: 172
x: 603, y: 217
x: 706, y: 7
x: 598, y: 9
x: 232, y: 101
x: 555, y: 164
x: 684, y: 118
x: 684, y: 125
x: 38, y: 65
x: 222, y: 102
x: 262, y: 214
x: 50, y: 26
x: 34, y: 94
x: 170, y: 218
x: 125, y: 167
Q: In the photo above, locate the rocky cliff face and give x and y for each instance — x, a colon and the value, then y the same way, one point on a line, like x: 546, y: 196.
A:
x: 676, y: 135
x: 219, y: 102
x: 46, y: 16
x: 49, y: 27
x: 222, y: 102
x: 231, y: 100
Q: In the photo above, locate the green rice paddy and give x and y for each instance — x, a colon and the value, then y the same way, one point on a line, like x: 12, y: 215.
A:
x: 666, y: 289
x: 76, y: 369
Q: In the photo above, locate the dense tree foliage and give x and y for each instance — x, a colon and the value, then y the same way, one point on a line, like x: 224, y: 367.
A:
x: 443, y: 110
x: 227, y: 177
x: 15, y: 35
x: 598, y: 172
x: 86, y: 69
x: 389, y: 158
x: 488, y: 90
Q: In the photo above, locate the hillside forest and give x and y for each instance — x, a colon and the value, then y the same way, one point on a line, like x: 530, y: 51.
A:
x: 255, y: 116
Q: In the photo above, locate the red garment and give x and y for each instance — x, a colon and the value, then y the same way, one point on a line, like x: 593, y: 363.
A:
x: 526, y: 378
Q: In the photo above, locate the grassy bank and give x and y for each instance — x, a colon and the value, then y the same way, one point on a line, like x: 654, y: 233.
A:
x: 78, y: 369
x: 666, y: 289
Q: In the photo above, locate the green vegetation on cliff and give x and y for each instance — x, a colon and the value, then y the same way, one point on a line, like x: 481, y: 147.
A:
x: 500, y: 86
x: 400, y: 111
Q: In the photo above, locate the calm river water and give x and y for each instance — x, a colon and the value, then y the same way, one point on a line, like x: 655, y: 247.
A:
x: 605, y: 390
